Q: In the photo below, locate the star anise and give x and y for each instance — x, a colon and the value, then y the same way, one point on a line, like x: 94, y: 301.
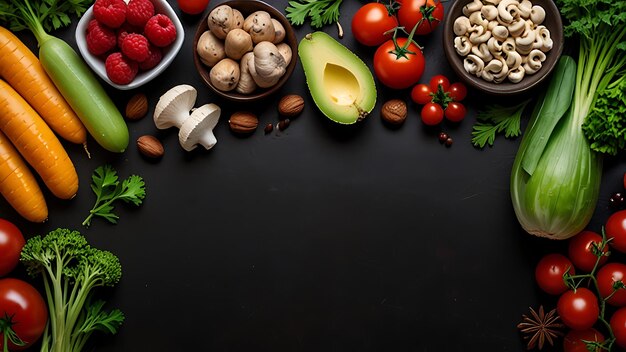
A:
x: 540, y: 327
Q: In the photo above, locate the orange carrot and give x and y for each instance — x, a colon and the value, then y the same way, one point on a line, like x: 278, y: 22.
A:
x: 23, y: 71
x: 32, y: 137
x: 18, y: 185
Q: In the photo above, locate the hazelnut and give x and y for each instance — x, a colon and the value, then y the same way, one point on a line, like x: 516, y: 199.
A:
x: 290, y: 105
x: 243, y: 122
x: 150, y: 147
x: 137, y: 107
x: 394, y: 111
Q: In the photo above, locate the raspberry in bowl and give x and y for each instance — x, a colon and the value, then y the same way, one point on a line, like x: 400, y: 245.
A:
x: 129, y: 42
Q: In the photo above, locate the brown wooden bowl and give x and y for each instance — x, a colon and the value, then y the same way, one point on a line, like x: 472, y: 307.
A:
x: 552, y: 22
x: 246, y: 8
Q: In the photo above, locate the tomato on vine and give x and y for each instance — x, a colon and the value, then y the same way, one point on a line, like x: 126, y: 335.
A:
x: 457, y: 91
x: 439, y: 80
x: 448, y: 96
x: 611, y: 283
x: 432, y: 114
x: 549, y: 273
x: 574, y: 341
x: 578, y: 309
x: 372, y: 24
x: 421, y: 94
x: 399, y: 63
x: 425, y: 14
x: 23, y: 314
x: 618, y: 325
x: 11, y: 243
x: 582, y: 250
x: 455, y: 111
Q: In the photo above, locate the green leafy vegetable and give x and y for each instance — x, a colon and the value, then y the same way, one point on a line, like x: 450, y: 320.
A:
x: 71, y: 271
x: 107, y: 187
x: 494, y: 119
x: 51, y: 14
x: 320, y: 12
x: 606, y: 125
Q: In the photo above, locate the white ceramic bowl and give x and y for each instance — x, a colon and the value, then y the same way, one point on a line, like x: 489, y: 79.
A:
x: 97, y: 64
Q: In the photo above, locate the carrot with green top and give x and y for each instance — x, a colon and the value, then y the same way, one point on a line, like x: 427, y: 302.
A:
x: 22, y: 70
x: 18, y: 185
x: 69, y: 73
x: 36, y: 142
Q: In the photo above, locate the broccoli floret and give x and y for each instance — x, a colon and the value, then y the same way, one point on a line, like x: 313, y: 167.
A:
x: 71, y: 269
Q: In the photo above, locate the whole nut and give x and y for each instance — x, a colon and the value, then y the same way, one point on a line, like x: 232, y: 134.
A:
x: 243, y: 122
x: 291, y: 105
x: 149, y: 146
x: 137, y: 107
x: 394, y: 111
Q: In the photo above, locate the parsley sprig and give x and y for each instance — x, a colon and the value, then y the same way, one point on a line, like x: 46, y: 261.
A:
x: 495, y: 119
x: 107, y: 187
x: 319, y: 12
x: 51, y: 14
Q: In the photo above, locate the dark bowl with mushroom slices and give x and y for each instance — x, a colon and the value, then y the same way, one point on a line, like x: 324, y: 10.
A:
x: 503, y: 47
x: 216, y: 68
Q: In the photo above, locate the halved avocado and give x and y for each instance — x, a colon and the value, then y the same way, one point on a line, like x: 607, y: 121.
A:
x: 341, y: 85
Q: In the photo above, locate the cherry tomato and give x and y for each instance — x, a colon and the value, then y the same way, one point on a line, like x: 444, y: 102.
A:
x: 457, y: 91
x: 432, y: 114
x: 573, y: 341
x: 11, y: 243
x: 616, y: 228
x: 421, y: 94
x: 439, y: 80
x: 580, y: 250
x: 428, y: 13
x: 549, y: 273
x: 27, y: 311
x: 618, y: 325
x: 398, y: 72
x: 455, y: 111
x: 192, y: 7
x: 607, y: 276
x: 578, y: 309
x: 371, y: 22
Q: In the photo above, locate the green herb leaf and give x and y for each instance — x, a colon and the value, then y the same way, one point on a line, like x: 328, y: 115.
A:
x: 319, y: 12
x: 605, y: 127
x: 494, y: 119
x: 49, y: 14
x: 107, y: 188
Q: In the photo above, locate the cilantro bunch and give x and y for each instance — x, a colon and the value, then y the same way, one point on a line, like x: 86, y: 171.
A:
x: 319, y: 12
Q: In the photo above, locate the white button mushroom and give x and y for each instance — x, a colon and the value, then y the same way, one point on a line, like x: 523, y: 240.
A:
x: 546, y: 40
x: 479, y: 36
x: 537, y: 14
x: 268, y: 65
x: 173, y: 107
x: 210, y: 49
x: 473, y: 65
x: 225, y: 75
x: 495, y: 47
x: 259, y: 25
x: 198, y: 128
x: 462, y: 45
x: 507, y: 9
x: 473, y: 6
x: 534, y: 61
x: 482, y: 51
x: 517, y: 74
x: 238, y: 42
x: 461, y: 25
x: 490, y: 12
x: 500, y: 32
x: 222, y: 20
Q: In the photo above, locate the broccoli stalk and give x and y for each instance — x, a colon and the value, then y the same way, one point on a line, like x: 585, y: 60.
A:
x: 71, y: 270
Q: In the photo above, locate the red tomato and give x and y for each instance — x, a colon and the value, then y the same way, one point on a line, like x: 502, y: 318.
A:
x: 371, y: 22
x: 549, y: 273
x: 439, y: 80
x: 578, y: 309
x: 618, y: 325
x: 580, y: 250
x: 421, y: 94
x: 432, y: 114
x: 616, y: 228
x: 607, y: 276
x: 573, y: 341
x: 457, y: 91
x: 426, y: 14
x: 192, y: 7
x: 27, y: 311
x: 397, y: 71
x: 455, y: 112
x: 11, y: 243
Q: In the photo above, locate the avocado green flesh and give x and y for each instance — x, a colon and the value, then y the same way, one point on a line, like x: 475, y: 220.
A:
x: 341, y: 85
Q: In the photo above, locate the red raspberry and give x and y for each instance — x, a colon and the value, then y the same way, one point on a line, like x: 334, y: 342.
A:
x: 139, y: 12
x: 135, y: 47
x: 100, y: 39
x: 111, y: 13
x: 160, y: 30
x: 120, y: 69
x: 153, y: 59
x: 124, y: 30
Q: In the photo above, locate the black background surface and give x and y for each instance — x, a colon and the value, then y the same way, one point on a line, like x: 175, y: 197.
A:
x: 319, y: 238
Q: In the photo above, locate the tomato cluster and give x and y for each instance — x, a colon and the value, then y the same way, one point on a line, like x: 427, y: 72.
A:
x: 23, y: 311
x: 583, y: 296
x: 440, y: 98
x: 398, y: 62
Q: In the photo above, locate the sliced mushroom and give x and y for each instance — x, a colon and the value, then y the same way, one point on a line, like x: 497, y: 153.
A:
x: 544, y: 34
x: 490, y: 12
x: 537, y: 14
x: 507, y: 9
x: 259, y: 25
x: 525, y: 7
x: 477, y: 18
x: 516, y: 28
x: 462, y: 45
x: 508, y: 45
x: 480, y: 36
x: 499, y: 77
x: 495, y: 47
x: 210, y: 49
x: 472, y: 7
x: 482, y: 51
x: 492, y: 2
x: 534, y: 61
x: 524, y: 43
x: 473, y: 65
x: 500, y: 32
x: 461, y: 25
x: 492, y: 67
x: 513, y: 59
x: 516, y: 74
